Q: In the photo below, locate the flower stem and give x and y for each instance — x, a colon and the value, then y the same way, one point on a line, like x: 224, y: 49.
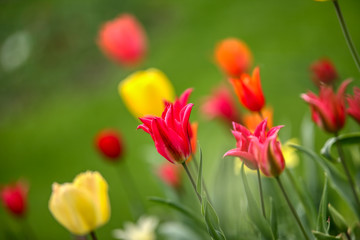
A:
x: 347, y: 36
x: 292, y: 208
x: 192, y: 181
x: 93, y: 235
x: 346, y: 169
x: 261, y: 193
x: 130, y: 188
x: 202, y: 180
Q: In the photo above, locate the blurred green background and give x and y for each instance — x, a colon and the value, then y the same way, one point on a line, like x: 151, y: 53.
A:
x: 53, y: 105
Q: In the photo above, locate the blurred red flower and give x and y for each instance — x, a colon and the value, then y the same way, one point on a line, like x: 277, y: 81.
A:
x: 123, y: 40
x: 233, y: 56
x: 170, y: 174
x: 14, y: 197
x: 323, y: 71
x: 110, y: 144
x: 354, y: 105
x: 328, y: 109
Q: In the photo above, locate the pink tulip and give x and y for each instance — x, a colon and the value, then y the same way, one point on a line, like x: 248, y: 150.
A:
x: 123, y: 40
x: 171, y: 132
x: 328, y: 109
x: 221, y: 105
x: 259, y: 149
x: 354, y: 105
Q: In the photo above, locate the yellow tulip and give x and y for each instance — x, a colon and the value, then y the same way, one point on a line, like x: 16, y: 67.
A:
x: 83, y: 205
x: 144, y: 92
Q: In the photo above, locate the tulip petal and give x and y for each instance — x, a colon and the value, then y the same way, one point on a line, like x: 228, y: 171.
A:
x: 248, y: 158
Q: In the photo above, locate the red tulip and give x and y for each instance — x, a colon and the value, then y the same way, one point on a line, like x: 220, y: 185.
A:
x: 221, y: 105
x: 123, y: 40
x: 170, y: 174
x: 260, y: 149
x: 110, y: 144
x: 248, y: 89
x: 354, y: 105
x: 328, y: 110
x: 14, y: 198
x: 233, y: 56
x: 171, y: 132
x: 323, y: 71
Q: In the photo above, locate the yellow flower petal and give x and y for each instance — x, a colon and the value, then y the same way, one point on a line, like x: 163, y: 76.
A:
x: 144, y: 92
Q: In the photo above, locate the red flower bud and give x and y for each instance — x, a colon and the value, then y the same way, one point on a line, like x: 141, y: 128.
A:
x: 323, y: 71
x: 170, y: 174
x: 109, y: 144
x: 354, y: 105
x: 233, y: 57
x: 123, y: 40
x: 14, y: 198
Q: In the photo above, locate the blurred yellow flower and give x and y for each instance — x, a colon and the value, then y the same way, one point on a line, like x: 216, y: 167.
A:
x: 144, y: 92
x: 83, y: 205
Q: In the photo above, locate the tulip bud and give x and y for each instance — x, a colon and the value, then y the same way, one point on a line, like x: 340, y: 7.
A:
x: 248, y: 89
x: 144, y: 92
x: 233, y: 57
x: 109, y: 144
x: 14, y: 198
x: 323, y: 71
x: 123, y: 40
x: 272, y: 161
x: 354, y: 105
x: 83, y: 205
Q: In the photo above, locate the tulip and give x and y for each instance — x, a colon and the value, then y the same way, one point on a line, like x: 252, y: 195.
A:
x: 83, y: 205
x: 109, y: 144
x: 259, y: 150
x: 144, y: 92
x: 123, y: 40
x: 248, y: 89
x: 328, y: 110
x: 354, y: 105
x: 170, y: 174
x: 233, y: 56
x: 171, y: 132
x: 253, y: 119
x: 323, y: 71
x: 14, y: 198
x: 221, y: 105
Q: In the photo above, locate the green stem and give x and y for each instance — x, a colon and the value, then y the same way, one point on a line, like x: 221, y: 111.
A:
x: 347, y: 36
x: 93, y: 235
x: 346, y: 169
x: 261, y: 193
x: 192, y: 181
x: 132, y: 193
x: 202, y: 179
x: 292, y: 208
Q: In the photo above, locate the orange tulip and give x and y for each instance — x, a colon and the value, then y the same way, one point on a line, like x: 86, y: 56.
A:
x: 252, y: 120
x: 233, y: 56
x: 248, y: 89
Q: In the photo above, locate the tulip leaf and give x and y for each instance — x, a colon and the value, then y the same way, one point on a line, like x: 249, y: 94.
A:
x: 338, y: 219
x: 273, y: 218
x: 337, y: 179
x: 254, y: 210
x: 349, y: 138
x: 211, y: 220
x: 323, y: 236
x: 199, y: 179
x: 322, y: 225
x: 178, y: 207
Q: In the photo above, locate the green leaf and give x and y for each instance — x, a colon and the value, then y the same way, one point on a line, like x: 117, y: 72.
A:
x: 199, y: 179
x: 212, y: 220
x: 273, y: 219
x: 349, y: 138
x: 323, y: 236
x: 338, y: 219
x: 322, y: 217
x: 177, y: 207
x: 337, y: 179
x: 254, y: 210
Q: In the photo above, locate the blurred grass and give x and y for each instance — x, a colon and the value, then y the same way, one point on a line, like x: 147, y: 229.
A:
x: 52, y: 106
